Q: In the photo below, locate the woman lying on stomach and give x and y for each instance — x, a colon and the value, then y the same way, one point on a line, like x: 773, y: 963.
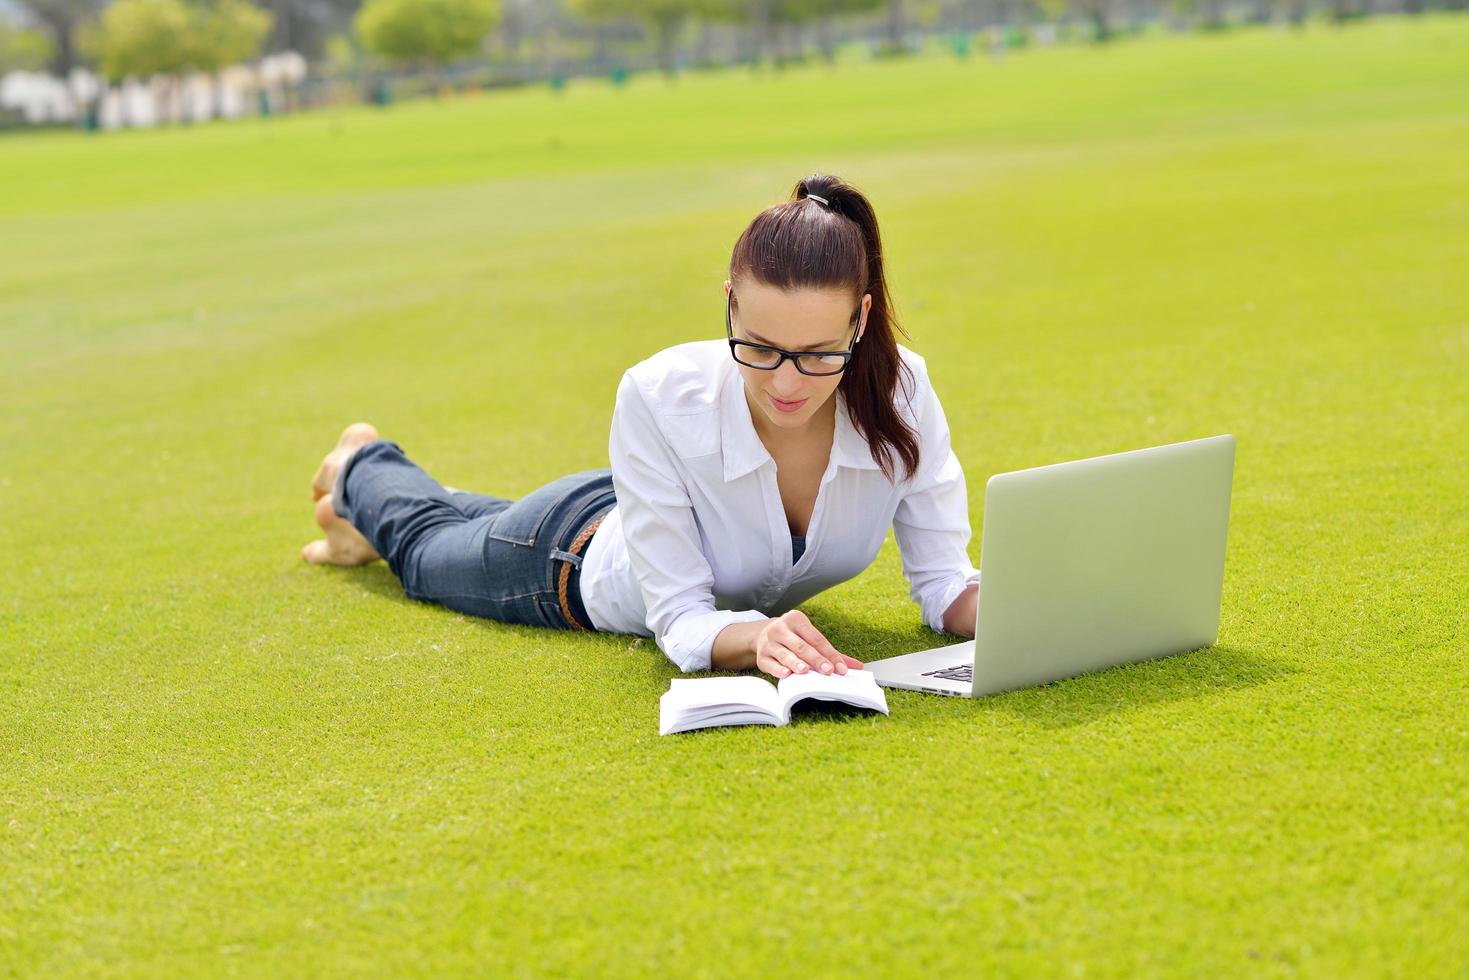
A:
x: 748, y: 474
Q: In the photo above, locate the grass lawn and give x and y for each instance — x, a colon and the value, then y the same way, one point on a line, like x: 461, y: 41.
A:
x: 218, y: 759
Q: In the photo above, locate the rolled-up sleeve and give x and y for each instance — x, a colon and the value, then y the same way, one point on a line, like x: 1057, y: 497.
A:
x: 662, y: 537
x: 931, y: 524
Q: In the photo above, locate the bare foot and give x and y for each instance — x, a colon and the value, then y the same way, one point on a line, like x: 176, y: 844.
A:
x: 354, y: 436
x: 343, y: 544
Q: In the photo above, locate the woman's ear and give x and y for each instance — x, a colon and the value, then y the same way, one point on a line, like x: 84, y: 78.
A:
x: 727, y: 284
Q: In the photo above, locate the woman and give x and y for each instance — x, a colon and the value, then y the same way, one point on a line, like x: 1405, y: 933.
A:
x: 748, y: 474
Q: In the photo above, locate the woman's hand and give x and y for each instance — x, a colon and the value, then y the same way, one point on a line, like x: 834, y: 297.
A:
x: 790, y: 644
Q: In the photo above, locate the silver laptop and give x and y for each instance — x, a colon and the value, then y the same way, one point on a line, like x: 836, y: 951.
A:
x: 1089, y: 564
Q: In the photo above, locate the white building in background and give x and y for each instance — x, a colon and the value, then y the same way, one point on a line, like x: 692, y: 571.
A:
x: 236, y: 91
x: 38, y: 97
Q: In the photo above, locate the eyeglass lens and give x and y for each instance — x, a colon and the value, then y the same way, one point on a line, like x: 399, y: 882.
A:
x: 812, y: 363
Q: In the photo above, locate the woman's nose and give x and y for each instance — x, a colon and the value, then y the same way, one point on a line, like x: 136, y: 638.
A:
x: 788, y: 380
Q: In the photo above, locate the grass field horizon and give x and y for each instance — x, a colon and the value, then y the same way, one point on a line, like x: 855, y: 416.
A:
x: 221, y: 760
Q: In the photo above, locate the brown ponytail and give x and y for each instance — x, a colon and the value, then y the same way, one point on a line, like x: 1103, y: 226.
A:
x: 803, y: 244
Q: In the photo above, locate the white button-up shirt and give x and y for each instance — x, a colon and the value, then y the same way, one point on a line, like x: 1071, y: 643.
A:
x: 699, y: 540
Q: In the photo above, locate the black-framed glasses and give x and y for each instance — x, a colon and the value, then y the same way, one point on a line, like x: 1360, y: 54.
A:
x: 766, y: 358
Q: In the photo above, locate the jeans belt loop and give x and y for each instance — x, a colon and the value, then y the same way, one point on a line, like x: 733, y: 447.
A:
x: 564, y: 577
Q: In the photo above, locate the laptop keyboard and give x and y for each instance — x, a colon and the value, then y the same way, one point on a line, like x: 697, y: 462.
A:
x: 959, y: 672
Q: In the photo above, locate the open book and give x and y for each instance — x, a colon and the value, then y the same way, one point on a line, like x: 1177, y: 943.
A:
x: 705, y: 702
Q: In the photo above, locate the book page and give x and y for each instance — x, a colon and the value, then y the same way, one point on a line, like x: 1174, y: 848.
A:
x: 698, y: 702
x: 697, y: 692
x: 855, y: 687
x: 735, y: 716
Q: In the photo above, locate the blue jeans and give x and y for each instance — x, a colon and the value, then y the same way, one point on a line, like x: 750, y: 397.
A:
x: 486, y: 556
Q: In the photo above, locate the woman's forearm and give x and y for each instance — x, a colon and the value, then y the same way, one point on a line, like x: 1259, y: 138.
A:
x: 734, y: 646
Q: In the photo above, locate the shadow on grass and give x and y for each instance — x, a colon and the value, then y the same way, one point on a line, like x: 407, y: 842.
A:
x: 1065, y: 703
x: 375, y: 577
x: 1195, y: 675
x: 1076, y: 700
x: 867, y: 640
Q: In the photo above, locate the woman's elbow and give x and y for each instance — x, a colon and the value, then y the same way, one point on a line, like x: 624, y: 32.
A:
x: 959, y: 618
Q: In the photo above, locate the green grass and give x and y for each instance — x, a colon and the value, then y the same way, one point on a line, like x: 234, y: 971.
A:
x: 218, y: 759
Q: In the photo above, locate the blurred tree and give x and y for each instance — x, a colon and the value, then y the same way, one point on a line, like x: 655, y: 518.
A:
x: 926, y: 13
x: 305, y: 25
x: 665, y: 17
x: 772, y: 20
x: 744, y: 13
x: 1051, y: 10
x: 515, y: 21
x: 895, y: 25
x: 141, y: 38
x: 1099, y: 13
x: 1206, y: 14
x: 829, y: 10
x: 343, y: 54
x: 1342, y: 10
x: 224, y: 33
x: 64, y: 19
x: 24, y: 50
x: 428, y: 33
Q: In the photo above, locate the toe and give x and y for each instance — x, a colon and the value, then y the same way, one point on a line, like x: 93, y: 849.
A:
x: 317, y: 552
x: 321, y: 483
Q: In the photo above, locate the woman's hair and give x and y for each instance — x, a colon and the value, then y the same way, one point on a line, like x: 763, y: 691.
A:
x: 801, y: 244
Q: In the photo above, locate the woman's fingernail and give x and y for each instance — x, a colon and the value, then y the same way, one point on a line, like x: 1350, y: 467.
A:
x: 826, y: 668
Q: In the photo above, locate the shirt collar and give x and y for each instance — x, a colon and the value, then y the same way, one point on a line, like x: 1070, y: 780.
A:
x: 849, y: 447
x: 744, y: 452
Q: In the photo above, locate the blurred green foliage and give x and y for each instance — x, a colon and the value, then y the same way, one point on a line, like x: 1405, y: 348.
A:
x: 226, y: 32
x: 164, y: 37
x: 139, y: 37
x: 426, y: 32
x: 23, y: 50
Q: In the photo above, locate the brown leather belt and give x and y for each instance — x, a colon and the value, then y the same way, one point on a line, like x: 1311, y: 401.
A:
x: 576, y: 548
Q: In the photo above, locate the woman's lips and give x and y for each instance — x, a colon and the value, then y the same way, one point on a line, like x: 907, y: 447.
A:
x: 787, y: 406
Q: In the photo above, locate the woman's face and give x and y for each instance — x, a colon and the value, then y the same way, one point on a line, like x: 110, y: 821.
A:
x: 795, y: 320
